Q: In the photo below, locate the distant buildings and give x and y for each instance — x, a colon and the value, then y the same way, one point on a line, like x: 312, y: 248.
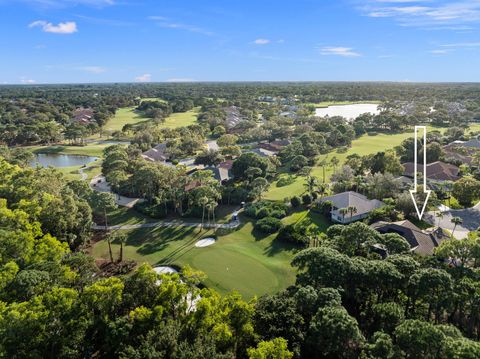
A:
x: 421, y: 242
x: 362, y: 205
x: 83, y: 116
x: 233, y: 116
x: 436, y: 171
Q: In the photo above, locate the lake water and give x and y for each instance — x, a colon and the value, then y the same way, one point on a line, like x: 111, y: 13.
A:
x: 350, y: 112
x: 59, y: 160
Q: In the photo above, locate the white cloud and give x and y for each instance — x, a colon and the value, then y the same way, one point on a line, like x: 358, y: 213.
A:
x: 144, y: 78
x: 261, y: 42
x: 180, y: 80
x: 68, y: 27
x: 168, y: 24
x: 339, y: 51
x: 27, y: 81
x: 434, y: 13
x: 93, y: 69
x: 439, y: 52
x: 463, y: 44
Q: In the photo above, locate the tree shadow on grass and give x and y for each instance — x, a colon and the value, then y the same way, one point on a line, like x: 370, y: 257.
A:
x: 277, y: 246
x: 156, y: 239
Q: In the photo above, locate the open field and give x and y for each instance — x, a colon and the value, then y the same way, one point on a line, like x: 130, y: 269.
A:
x: 181, y: 119
x: 243, y: 260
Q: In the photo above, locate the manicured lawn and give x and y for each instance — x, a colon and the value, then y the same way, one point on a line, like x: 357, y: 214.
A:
x: 122, y: 117
x: 243, y: 260
x: 181, y: 119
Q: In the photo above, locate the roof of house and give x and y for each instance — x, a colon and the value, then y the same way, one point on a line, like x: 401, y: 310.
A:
x: 228, y: 164
x: 156, y: 154
x: 474, y: 142
x: 421, y: 242
x: 83, y: 115
x: 275, y: 146
x: 220, y: 174
x: 353, y: 199
x: 262, y: 152
x: 440, y: 171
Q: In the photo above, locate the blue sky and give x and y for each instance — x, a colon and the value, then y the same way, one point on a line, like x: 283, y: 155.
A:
x: 77, y: 41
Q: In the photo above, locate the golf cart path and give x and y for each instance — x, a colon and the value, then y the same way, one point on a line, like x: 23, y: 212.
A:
x: 176, y: 223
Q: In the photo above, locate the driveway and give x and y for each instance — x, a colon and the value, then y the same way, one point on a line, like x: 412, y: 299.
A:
x: 470, y: 217
x: 98, y: 183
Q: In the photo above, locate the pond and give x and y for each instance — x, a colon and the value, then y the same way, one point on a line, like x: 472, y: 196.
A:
x: 350, y: 112
x: 59, y: 160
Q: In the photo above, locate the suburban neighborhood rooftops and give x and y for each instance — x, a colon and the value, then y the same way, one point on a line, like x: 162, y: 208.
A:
x: 353, y: 199
x: 439, y: 171
x: 420, y: 241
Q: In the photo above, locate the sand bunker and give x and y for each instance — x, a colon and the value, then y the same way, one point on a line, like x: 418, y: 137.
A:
x: 205, y: 242
x: 165, y: 270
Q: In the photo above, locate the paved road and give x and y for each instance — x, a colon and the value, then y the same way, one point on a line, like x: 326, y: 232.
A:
x: 470, y: 217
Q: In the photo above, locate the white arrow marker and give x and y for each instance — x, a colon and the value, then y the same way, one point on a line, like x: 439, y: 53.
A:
x: 414, y: 191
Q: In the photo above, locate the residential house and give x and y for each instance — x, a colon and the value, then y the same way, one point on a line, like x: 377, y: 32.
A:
x: 82, y: 115
x: 275, y: 146
x: 363, y: 206
x: 157, y: 154
x: 220, y: 174
x: 263, y: 152
x: 421, y: 242
x: 233, y: 116
x: 436, y: 171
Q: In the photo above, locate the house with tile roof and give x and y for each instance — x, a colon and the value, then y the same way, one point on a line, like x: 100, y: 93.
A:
x: 436, y: 171
x: 363, y: 206
x: 157, y: 153
x: 421, y: 242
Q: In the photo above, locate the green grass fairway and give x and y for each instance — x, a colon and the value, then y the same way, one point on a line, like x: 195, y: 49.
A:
x: 181, y: 119
x: 243, y: 260
x: 122, y: 117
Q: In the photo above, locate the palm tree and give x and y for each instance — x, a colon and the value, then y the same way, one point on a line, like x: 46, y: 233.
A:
x: 310, y: 184
x: 439, y: 215
x: 203, y: 202
x: 456, y: 221
x: 323, y: 163
x: 322, y: 189
x: 334, y: 161
x: 352, y: 210
x: 343, y: 212
x: 358, y: 180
